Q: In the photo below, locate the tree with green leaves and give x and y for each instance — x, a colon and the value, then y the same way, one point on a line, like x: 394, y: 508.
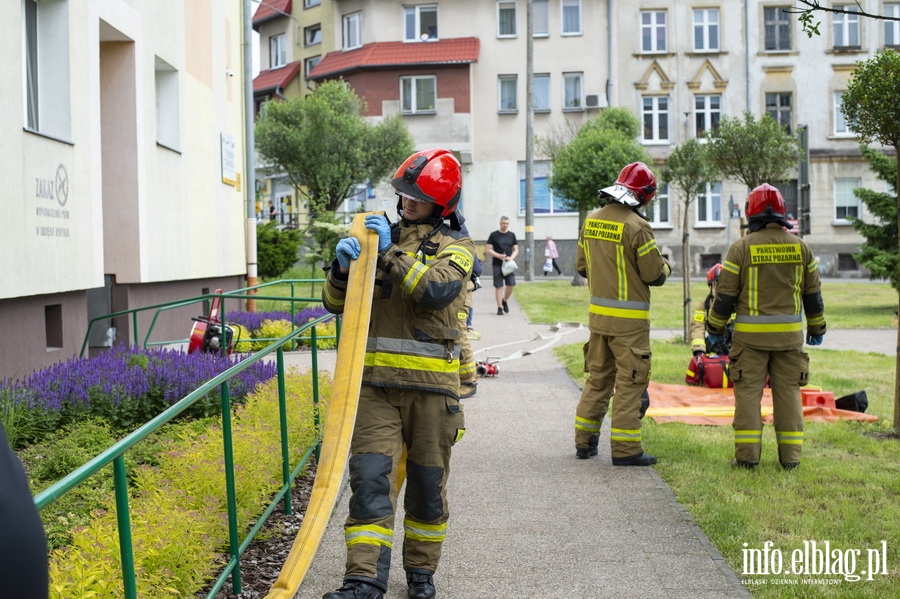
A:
x: 688, y: 170
x: 752, y: 151
x: 807, y: 8
x: 593, y: 158
x: 879, y: 253
x: 871, y: 111
x: 325, y: 147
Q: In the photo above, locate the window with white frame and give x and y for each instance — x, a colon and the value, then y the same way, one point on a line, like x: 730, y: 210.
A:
x: 542, y: 93
x: 777, y: 28
x: 653, y: 31
x: 706, y: 30
x: 840, y: 124
x: 892, y: 28
x: 46, y: 73
x: 655, y: 117
x: 778, y: 106
x: 167, y: 109
x: 418, y: 94
x: 709, y: 205
x: 506, y: 19
x: 846, y: 27
x: 507, y: 89
x: 277, y: 52
x: 571, y: 17
x: 545, y: 201
x: 312, y: 35
x: 573, y: 92
x: 310, y: 63
x: 352, y: 31
x: 846, y: 204
x: 420, y: 23
x: 707, y: 110
x: 540, y: 18
x: 658, y: 210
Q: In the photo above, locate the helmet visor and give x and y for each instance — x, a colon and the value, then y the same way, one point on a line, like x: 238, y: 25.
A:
x: 622, y: 194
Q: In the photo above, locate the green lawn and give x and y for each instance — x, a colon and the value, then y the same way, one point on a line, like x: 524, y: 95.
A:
x: 847, y: 490
x: 861, y: 305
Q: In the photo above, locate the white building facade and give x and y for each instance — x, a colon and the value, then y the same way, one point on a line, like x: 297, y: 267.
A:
x: 123, y: 131
x: 678, y: 66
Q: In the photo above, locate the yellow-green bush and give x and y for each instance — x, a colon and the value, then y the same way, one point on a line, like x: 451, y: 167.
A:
x: 179, y: 519
x: 243, y: 335
x: 271, y: 329
x: 328, y: 329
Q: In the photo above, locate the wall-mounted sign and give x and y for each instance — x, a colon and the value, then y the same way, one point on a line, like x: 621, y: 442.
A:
x: 229, y: 167
x: 56, y: 190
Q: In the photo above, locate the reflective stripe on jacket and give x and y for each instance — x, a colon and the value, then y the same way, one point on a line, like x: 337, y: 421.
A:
x: 414, y: 332
x: 618, y: 254
x: 769, y: 279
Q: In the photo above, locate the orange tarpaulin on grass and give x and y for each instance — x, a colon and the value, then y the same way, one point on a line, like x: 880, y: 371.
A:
x: 701, y: 405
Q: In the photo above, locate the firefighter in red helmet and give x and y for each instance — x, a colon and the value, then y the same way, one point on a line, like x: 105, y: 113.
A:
x: 769, y: 280
x: 617, y: 253
x: 410, y: 391
x: 700, y: 344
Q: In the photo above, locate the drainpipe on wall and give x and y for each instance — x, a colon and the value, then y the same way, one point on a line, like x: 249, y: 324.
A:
x: 249, y: 159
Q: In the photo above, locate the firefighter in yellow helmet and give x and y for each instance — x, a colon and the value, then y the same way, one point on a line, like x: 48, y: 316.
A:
x: 700, y: 344
x: 410, y: 389
x: 617, y: 253
x: 769, y: 280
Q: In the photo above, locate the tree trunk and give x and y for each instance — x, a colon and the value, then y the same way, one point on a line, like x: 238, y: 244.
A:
x: 686, y: 268
x: 897, y: 365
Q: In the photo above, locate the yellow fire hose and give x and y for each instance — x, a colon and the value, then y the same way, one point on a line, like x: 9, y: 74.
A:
x: 341, y: 414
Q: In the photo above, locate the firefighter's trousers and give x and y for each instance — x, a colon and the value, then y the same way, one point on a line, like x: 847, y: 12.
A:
x: 427, y: 424
x: 787, y: 371
x: 619, y: 363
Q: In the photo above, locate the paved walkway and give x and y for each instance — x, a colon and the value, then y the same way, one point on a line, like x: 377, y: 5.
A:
x: 527, y: 518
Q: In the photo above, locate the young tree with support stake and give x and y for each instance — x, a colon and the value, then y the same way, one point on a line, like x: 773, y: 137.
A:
x: 871, y: 110
x: 689, y: 170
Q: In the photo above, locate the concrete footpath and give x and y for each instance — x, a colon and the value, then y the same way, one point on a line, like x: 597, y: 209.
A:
x: 528, y: 519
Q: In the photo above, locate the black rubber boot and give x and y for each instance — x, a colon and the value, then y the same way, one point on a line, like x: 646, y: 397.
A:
x: 583, y: 453
x: 421, y: 585
x: 355, y: 589
x: 641, y: 459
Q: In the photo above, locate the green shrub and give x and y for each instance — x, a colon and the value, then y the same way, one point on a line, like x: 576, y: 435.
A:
x: 179, y: 519
x: 276, y: 251
x: 271, y: 329
x: 243, y: 335
x: 328, y: 329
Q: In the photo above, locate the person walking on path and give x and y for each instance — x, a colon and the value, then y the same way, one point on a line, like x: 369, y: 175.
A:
x: 502, y: 246
x: 551, y: 253
x: 409, y: 398
x: 769, y: 279
x: 617, y: 253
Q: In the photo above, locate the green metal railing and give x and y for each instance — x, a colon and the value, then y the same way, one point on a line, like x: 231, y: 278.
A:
x: 116, y: 453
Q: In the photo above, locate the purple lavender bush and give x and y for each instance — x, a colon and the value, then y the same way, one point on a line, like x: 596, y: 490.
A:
x: 126, y: 386
x: 253, y: 320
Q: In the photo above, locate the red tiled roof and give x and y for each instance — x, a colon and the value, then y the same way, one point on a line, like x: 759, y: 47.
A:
x: 276, y: 78
x: 271, y: 9
x: 392, y: 54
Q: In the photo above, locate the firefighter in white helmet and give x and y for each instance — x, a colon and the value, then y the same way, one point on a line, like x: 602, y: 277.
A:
x: 617, y: 253
x: 769, y: 279
x: 410, y: 389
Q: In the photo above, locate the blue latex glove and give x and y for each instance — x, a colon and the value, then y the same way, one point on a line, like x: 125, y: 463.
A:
x: 347, y: 249
x: 814, y: 339
x: 713, y: 339
x: 380, y: 224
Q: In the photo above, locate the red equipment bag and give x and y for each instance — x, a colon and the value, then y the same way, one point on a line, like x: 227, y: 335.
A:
x: 708, y: 370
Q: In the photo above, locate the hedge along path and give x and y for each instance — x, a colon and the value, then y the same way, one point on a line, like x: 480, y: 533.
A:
x: 342, y: 409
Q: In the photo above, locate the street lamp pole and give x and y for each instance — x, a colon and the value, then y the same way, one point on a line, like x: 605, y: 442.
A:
x: 529, y: 144
x: 249, y: 154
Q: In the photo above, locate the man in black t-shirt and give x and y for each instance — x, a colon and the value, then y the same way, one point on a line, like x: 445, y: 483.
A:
x: 502, y: 246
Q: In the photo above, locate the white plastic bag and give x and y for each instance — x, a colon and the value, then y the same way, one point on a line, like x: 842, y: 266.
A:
x: 548, y: 266
x: 508, y: 267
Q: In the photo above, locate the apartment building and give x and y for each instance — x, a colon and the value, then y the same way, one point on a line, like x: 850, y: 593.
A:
x: 123, y: 150
x: 457, y: 73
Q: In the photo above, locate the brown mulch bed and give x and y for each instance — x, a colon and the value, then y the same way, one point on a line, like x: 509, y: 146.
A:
x: 262, y: 562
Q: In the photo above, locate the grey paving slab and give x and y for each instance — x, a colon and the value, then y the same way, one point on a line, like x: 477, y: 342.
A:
x: 527, y: 518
